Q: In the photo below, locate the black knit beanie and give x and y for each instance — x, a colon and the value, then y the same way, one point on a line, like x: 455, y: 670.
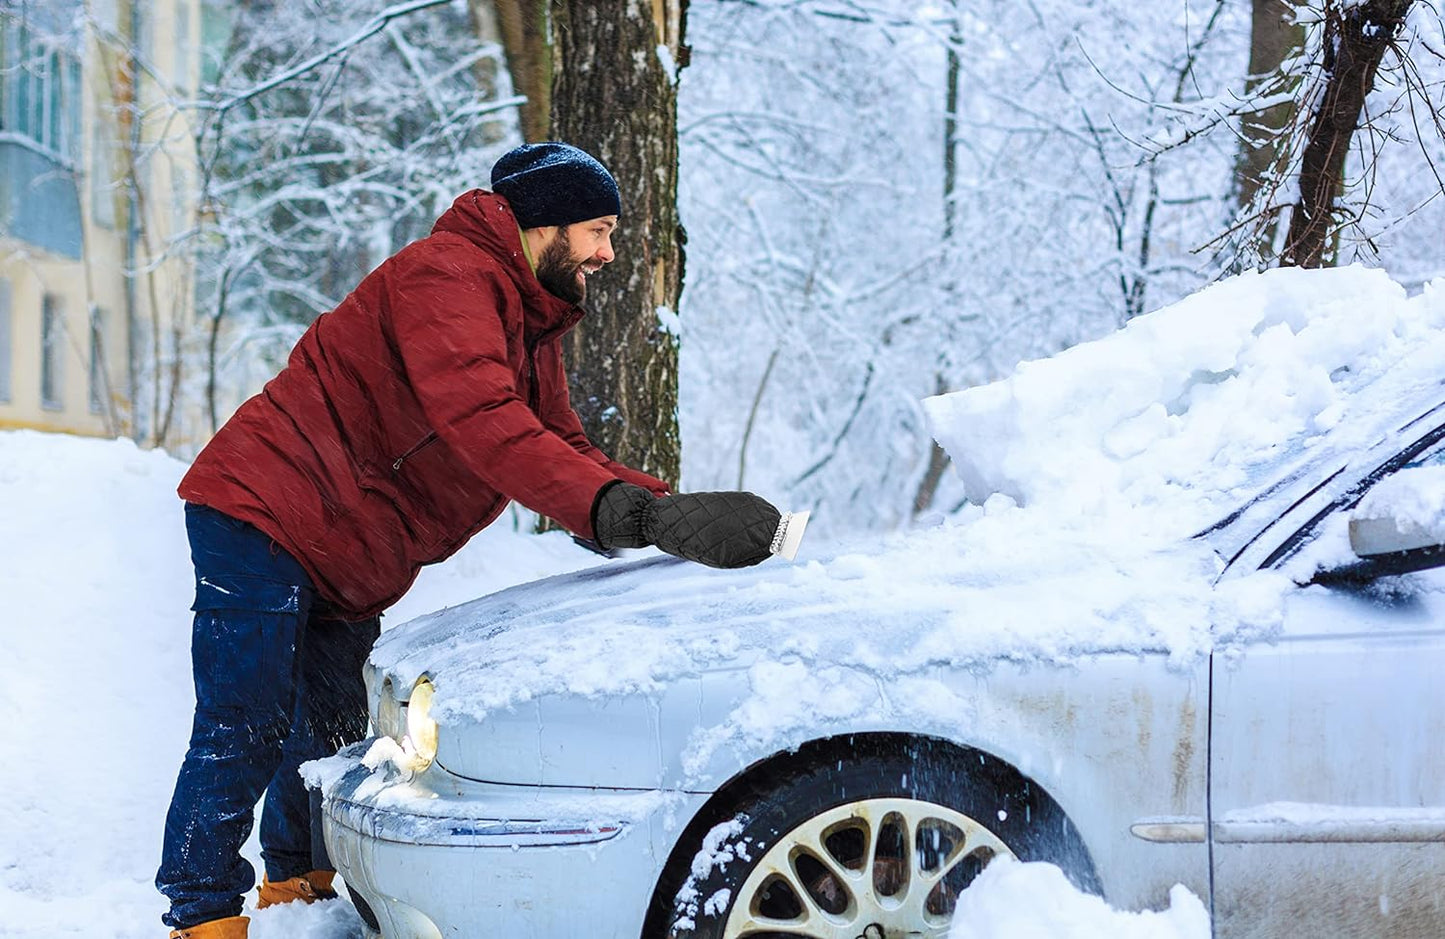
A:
x: 554, y: 184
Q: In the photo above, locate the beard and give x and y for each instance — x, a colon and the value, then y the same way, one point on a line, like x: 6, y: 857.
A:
x: 558, y: 273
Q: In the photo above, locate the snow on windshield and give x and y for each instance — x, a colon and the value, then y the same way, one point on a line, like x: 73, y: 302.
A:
x: 1187, y: 408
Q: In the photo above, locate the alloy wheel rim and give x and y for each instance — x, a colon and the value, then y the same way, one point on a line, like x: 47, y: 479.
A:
x: 873, y: 869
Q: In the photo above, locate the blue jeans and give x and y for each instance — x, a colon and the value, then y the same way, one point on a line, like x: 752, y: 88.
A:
x: 278, y: 682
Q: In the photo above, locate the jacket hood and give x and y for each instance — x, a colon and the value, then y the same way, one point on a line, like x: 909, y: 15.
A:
x: 486, y: 220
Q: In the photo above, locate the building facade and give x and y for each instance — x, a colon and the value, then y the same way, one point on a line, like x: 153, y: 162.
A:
x: 97, y: 177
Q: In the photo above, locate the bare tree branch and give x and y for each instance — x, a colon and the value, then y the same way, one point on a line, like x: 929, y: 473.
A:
x: 375, y: 25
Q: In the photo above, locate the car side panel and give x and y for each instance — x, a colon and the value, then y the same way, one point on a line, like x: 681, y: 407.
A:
x: 1115, y: 739
x: 1329, y: 776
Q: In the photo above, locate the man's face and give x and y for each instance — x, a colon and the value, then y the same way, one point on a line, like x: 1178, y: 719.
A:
x: 575, y: 253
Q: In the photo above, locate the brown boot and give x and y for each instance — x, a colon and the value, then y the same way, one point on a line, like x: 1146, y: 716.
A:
x: 308, y: 888
x: 232, y: 927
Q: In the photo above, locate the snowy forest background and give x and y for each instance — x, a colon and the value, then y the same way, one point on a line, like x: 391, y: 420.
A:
x: 842, y: 260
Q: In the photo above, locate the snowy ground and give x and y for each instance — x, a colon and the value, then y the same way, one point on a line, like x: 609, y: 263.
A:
x: 96, y: 574
x: 97, y: 697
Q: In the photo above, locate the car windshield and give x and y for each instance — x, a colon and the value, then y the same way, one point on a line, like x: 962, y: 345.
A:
x: 1294, y: 510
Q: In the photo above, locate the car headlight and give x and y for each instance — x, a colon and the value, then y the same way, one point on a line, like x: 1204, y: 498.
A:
x: 408, y: 735
x: 421, y: 731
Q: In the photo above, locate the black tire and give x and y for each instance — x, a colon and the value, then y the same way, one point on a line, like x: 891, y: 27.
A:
x: 768, y: 804
x: 363, y: 909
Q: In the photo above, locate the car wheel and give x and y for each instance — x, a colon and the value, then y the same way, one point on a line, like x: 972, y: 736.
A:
x: 875, y: 842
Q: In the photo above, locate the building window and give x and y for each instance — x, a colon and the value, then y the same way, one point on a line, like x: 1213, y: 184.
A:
x: 52, y: 353
x: 99, y: 379
x: 40, y: 124
x: 5, y: 344
x: 42, y: 102
x: 73, y: 138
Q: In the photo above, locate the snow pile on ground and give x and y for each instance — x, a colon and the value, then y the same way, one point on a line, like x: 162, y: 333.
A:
x: 1183, y: 406
x: 95, y: 645
x: 1035, y: 901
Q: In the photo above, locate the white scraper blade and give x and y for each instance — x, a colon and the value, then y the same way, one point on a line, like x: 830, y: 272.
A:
x: 790, y: 534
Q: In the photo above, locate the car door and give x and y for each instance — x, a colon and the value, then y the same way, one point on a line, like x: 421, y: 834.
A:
x: 1327, y: 751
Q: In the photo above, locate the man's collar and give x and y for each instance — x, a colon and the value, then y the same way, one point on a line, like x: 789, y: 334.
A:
x: 526, y: 249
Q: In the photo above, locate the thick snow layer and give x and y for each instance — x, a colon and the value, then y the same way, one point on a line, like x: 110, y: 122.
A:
x: 97, y: 675
x: 1186, y: 407
x: 1035, y: 901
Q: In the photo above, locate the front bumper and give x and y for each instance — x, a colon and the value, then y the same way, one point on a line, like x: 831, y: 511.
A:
x: 439, y: 856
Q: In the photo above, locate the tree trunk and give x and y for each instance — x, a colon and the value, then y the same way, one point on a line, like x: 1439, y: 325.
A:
x: 1355, y: 40
x: 525, y: 39
x: 1273, y: 40
x: 938, y: 457
x: 611, y: 73
x: 950, y: 125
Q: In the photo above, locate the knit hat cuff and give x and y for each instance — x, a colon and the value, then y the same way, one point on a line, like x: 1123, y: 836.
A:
x: 561, y: 185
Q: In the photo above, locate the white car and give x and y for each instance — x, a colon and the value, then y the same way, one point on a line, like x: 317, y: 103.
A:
x: 1249, y: 705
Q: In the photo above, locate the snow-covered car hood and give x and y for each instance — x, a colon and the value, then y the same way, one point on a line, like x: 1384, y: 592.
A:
x: 811, y: 645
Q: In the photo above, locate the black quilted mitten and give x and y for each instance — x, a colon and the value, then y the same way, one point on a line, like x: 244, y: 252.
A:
x: 719, y: 529
x: 617, y: 516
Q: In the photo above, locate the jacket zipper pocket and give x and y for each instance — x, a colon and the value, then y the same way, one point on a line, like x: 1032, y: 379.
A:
x: 425, y: 441
x: 534, y: 397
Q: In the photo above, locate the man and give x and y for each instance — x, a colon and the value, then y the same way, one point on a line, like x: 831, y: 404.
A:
x: 403, y: 423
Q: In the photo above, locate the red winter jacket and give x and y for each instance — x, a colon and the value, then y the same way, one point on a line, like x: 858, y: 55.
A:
x: 407, y: 417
